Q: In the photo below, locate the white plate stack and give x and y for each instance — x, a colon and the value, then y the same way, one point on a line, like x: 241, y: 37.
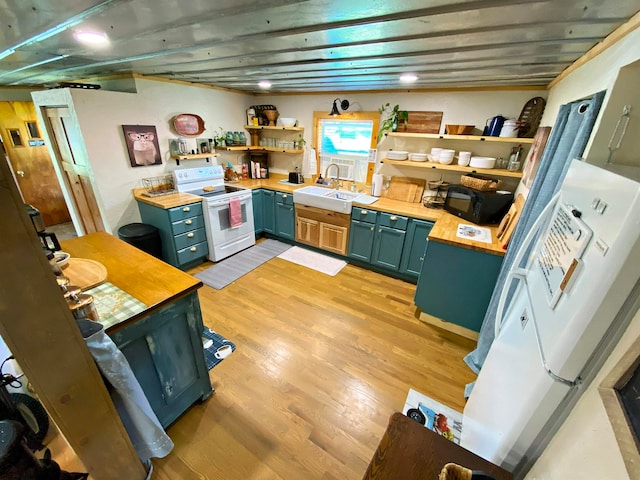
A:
x: 397, y: 155
x: 418, y: 157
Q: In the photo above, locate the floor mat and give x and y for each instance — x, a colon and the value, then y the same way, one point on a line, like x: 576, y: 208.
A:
x: 314, y: 260
x: 230, y: 269
x: 433, y: 415
x: 216, y: 347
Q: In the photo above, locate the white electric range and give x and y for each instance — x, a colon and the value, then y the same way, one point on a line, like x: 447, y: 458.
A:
x: 208, y: 183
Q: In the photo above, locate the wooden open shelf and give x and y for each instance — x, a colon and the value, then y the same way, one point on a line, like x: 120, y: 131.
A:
x: 252, y: 148
x: 454, y: 168
x: 473, y: 138
x: 264, y: 127
x: 193, y: 156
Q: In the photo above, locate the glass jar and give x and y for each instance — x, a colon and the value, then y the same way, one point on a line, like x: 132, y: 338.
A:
x: 229, y: 139
x: 242, y: 138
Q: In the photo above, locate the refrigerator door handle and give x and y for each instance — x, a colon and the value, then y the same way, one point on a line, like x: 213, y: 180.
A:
x: 542, y: 218
x: 521, y: 274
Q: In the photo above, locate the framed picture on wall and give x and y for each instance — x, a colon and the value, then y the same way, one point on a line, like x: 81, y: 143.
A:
x: 532, y: 161
x: 142, y: 145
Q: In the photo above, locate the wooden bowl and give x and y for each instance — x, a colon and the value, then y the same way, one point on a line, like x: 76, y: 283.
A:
x: 459, y: 129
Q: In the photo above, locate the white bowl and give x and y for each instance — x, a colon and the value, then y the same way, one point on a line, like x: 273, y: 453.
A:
x: 397, y: 155
x: 482, y: 162
x: 287, y: 122
x: 446, y: 156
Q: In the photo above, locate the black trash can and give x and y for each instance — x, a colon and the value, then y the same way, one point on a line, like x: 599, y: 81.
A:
x: 143, y: 236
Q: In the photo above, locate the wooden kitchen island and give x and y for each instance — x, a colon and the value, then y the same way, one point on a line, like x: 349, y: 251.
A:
x: 163, y: 342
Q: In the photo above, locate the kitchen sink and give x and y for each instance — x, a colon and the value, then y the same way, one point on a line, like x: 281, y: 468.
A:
x: 329, y: 199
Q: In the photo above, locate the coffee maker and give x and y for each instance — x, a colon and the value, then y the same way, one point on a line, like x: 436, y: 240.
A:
x: 49, y: 240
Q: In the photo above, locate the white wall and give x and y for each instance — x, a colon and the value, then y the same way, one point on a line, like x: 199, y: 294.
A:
x: 102, y: 113
x: 584, y: 446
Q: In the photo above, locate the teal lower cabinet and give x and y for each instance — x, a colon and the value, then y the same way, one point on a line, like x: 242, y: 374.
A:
x: 285, y: 216
x: 362, y: 234
x: 389, y: 240
x: 456, y: 284
x: 268, y: 211
x: 258, y: 211
x: 415, y: 245
x: 182, y: 233
x: 165, y: 352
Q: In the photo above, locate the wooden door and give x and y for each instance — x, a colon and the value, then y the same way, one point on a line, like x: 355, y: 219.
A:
x: 66, y: 142
x: 30, y: 161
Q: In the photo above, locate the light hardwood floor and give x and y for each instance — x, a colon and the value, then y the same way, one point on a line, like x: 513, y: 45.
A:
x: 321, y: 363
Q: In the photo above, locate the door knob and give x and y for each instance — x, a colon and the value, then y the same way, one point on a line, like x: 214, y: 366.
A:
x: 20, y: 173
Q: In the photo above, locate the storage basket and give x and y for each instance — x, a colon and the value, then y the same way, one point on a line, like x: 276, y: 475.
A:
x: 452, y: 471
x: 480, y: 182
x: 162, y: 185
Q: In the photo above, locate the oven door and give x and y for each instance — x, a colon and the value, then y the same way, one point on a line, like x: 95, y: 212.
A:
x: 223, y: 239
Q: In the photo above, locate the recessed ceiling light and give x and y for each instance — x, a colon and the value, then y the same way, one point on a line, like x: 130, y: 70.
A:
x: 264, y: 84
x: 408, y: 77
x: 91, y: 38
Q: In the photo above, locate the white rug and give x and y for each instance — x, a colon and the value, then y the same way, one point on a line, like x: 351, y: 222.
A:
x: 316, y: 261
x: 433, y: 415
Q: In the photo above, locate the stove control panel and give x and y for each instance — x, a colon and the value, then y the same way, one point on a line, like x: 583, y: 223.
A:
x: 198, y: 174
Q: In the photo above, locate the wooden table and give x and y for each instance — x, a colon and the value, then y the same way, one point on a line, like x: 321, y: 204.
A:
x: 409, y: 451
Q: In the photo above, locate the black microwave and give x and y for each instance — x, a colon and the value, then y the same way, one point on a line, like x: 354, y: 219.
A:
x: 477, y: 206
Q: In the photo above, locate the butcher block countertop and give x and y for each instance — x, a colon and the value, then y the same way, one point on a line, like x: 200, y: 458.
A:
x: 444, y: 231
x: 153, y: 282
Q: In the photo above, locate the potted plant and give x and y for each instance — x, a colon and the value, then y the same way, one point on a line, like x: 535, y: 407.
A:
x: 393, y: 117
x: 219, y: 138
x: 300, y: 142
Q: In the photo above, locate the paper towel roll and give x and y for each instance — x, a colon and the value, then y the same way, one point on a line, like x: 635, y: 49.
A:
x: 376, y: 185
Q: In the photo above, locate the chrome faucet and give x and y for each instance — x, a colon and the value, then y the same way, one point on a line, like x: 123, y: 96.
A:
x: 334, y: 182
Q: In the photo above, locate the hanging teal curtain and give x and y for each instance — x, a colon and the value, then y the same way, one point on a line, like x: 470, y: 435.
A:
x: 567, y: 141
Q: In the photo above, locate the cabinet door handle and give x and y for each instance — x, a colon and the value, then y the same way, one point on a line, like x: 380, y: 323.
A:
x: 190, y: 235
x: 193, y: 249
x: 372, y: 229
x: 380, y: 230
x: 284, y: 196
x: 291, y: 209
x: 188, y: 222
x: 393, y: 218
x: 363, y: 212
x: 186, y: 209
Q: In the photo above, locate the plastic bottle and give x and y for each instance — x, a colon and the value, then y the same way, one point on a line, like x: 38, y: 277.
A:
x: 245, y: 174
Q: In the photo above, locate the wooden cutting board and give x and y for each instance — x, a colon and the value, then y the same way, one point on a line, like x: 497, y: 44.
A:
x: 508, y: 224
x: 85, y: 273
x: 405, y: 189
x: 421, y: 122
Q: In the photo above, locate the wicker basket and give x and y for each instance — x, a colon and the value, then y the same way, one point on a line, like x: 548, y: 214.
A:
x: 480, y: 182
x: 452, y: 471
x: 155, y: 186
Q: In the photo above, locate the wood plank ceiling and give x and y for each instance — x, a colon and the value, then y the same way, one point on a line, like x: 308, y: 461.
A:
x: 305, y: 45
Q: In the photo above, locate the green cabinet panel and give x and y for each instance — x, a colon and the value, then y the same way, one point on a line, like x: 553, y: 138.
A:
x: 361, y: 237
x: 258, y: 211
x: 181, y: 229
x: 414, y: 247
x: 165, y: 353
x: 269, y: 213
x: 456, y: 283
x: 285, y: 221
x: 387, y: 247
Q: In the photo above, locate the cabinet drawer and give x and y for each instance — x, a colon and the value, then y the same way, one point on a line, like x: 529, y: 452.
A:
x: 284, y: 198
x: 185, y: 211
x: 192, y: 237
x: 193, y: 252
x: 393, y: 221
x: 187, y: 224
x: 364, y: 215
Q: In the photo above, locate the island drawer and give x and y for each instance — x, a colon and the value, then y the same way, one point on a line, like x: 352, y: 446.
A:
x: 185, y: 211
x: 192, y: 237
x: 187, y: 224
x: 393, y: 221
x: 193, y: 252
x: 364, y: 215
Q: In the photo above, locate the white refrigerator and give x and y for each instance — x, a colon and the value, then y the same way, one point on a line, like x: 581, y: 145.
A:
x: 580, y: 269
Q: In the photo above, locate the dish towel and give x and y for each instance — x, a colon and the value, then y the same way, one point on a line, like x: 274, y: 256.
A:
x: 235, y: 213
